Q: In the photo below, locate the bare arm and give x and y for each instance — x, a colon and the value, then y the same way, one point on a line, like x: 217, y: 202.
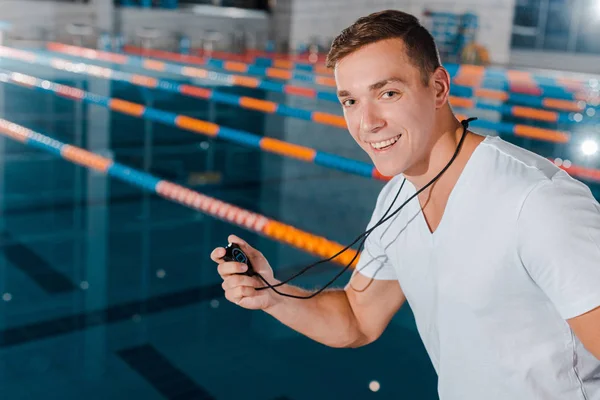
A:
x: 587, y: 329
x: 350, y: 317
x: 341, y: 318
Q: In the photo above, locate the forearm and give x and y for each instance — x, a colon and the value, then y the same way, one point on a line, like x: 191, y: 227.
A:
x: 326, y: 318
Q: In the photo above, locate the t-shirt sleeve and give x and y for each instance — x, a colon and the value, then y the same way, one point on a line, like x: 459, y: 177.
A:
x: 374, y: 262
x: 559, y: 243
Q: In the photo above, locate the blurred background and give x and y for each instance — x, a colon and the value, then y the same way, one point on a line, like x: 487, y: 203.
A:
x: 137, y: 135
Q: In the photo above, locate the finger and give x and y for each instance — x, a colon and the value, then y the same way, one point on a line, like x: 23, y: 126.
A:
x: 229, y: 296
x: 233, y: 281
x: 242, y: 291
x: 249, y: 250
x: 236, y: 295
x: 218, y: 254
x: 228, y: 268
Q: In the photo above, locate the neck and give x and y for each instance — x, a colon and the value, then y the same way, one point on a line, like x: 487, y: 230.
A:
x: 444, y: 145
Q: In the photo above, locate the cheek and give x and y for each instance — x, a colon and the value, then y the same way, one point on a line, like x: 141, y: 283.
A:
x: 411, y: 116
x: 403, y: 118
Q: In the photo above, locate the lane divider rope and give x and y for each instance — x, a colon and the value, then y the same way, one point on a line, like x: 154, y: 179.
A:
x: 500, y: 127
x: 273, y: 229
x: 244, y: 138
x: 251, y: 103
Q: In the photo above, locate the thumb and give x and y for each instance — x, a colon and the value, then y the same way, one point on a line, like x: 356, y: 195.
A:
x: 258, y: 260
x: 250, y: 251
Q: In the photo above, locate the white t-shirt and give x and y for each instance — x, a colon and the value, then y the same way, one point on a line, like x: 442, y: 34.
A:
x: 517, y: 253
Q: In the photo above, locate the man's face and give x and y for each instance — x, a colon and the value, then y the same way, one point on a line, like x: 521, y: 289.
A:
x: 388, y: 109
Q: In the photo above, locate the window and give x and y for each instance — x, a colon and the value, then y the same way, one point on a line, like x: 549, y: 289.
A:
x: 588, y: 30
x: 557, y: 25
x: 248, y: 4
x: 525, y: 23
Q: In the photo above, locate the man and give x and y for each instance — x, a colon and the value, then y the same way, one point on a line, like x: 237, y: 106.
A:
x: 499, y: 259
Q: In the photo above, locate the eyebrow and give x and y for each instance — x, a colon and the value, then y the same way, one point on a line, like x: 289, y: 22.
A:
x: 375, y: 86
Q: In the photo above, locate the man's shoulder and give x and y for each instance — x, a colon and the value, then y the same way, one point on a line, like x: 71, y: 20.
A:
x: 508, y: 171
x: 534, y: 182
x: 510, y: 160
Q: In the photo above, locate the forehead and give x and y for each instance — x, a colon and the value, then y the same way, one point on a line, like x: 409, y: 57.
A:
x: 372, y: 63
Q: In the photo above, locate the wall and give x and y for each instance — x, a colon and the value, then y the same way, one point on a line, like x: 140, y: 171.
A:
x: 326, y: 19
x: 281, y: 23
x: 293, y: 21
x: 580, y: 63
x: 31, y: 18
x: 174, y: 23
x: 35, y: 20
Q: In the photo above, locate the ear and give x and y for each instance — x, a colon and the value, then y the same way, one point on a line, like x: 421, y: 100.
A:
x: 440, y: 80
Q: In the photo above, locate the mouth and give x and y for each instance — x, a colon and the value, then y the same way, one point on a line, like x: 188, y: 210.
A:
x: 384, y: 144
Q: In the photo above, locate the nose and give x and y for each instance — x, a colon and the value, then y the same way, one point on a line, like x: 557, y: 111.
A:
x: 371, y: 120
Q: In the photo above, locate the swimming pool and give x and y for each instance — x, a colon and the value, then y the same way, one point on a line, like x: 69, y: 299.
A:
x: 108, y: 290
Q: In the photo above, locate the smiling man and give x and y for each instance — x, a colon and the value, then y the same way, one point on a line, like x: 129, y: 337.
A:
x: 497, y: 253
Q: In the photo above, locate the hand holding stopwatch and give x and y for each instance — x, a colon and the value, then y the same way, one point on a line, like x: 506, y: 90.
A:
x: 233, y: 252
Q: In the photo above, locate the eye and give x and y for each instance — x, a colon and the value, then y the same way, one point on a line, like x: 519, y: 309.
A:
x: 348, y: 102
x: 389, y: 94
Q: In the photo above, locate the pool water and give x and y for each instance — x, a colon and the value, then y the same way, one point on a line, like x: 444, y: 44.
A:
x: 109, y: 292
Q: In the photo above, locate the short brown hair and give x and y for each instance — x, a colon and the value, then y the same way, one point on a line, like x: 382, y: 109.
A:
x: 389, y: 24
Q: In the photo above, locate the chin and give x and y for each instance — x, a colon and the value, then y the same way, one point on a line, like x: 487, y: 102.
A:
x: 389, y: 170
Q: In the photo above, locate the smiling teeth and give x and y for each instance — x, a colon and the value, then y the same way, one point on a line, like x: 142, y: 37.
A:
x: 385, y: 143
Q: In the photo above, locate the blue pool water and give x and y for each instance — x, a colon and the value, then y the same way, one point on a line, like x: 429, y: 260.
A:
x: 108, y: 292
